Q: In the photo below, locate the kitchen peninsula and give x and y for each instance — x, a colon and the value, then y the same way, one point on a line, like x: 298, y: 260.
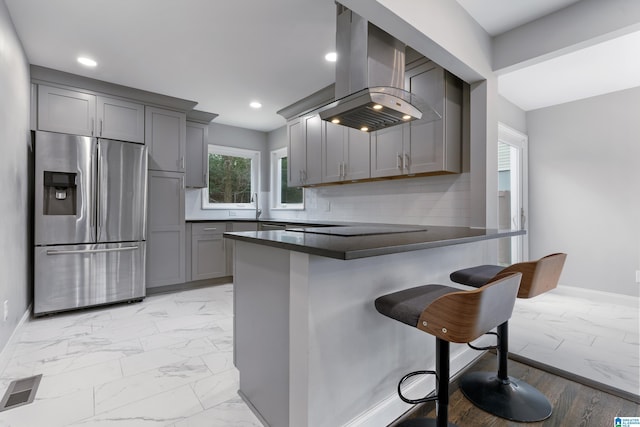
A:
x: 309, y: 345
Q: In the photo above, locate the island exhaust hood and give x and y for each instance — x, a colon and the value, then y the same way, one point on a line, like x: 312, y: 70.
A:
x: 369, y: 89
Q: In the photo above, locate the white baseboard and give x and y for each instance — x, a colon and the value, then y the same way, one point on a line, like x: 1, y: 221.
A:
x: 594, y: 295
x: 391, y: 408
x: 7, y: 351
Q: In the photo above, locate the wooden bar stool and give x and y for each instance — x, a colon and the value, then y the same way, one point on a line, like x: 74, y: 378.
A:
x: 451, y: 315
x: 499, y: 394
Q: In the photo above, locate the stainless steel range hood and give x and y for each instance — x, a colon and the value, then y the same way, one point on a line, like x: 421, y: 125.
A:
x: 369, y: 89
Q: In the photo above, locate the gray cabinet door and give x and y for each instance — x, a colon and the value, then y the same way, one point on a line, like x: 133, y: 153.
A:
x: 333, y: 143
x: 436, y: 146
x: 66, y: 111
x: 357, y: 155
x: 208, y: 251
x: 197, y: 155
x: 165, y: 134
x: 387, y: 151
x: 297, y: 153
x: 313, y: 142
x: 166, y: 229
x: 119, y: 119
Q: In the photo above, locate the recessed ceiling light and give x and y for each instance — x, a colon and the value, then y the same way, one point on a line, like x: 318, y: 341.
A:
x: 364, y: 128
x: 377, y: 107
x: 255, y: 104
x: 406, y: 117
x: 335, y: 121
x: 87, y: 62
x: 331, y: 56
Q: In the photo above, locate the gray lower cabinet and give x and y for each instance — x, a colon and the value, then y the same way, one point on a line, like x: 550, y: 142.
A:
x: 208, y: 250
x: 166, y: 229
x: 197, y: 146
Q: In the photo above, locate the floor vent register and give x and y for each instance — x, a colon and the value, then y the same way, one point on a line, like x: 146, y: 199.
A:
x: 20, y: 392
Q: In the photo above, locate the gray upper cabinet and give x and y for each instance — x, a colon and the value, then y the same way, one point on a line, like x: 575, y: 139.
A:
x: 79, y: 113
x: 166, y: 229
x: 345, y: 153
x: 304, y: 151
x: 119, y: 119
x: 423, y: 147
x: 296, y: 154
x: 165, y: 134
x: 66, y: 111
x: 197, y: 154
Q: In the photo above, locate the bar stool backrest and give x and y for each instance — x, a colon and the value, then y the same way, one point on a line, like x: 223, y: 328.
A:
x: 463, y: 316
x: 538, y: 276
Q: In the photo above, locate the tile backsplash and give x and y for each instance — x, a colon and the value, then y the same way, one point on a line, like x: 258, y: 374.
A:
x: 430, y: 200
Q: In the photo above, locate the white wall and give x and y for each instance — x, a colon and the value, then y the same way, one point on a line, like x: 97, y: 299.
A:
x: 15, y: 234
x: 511, y: 115
x: 231, y: 136
x: 584, y: 189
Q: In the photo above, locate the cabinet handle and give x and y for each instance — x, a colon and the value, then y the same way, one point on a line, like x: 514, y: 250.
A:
x: 182, y: 163
x: 209, y: 228
x: 93, y: 125
x: 399, y: 161
x: 407, y: 161
x: 100, y: 127
x: 344, y: 170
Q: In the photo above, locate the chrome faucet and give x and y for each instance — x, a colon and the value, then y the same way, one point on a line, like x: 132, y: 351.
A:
x: 258, y: 211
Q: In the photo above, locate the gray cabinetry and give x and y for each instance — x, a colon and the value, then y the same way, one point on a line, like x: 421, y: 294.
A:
x: 197, y: 141
x: 208, y: 250
x: 66, y: 111
x: 423, y: 147
x: 79, y: 113
x: 119, y: 119
x: 166, y: 229
x: 345, y: 153
x: 304, y: 151
x: 165, y: 134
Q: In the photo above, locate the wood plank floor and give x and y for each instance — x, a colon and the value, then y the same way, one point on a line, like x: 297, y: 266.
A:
x: 574, y: 404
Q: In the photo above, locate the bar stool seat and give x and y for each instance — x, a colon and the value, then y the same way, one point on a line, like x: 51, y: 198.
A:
x: 498, y: 393
x: 451, y: 315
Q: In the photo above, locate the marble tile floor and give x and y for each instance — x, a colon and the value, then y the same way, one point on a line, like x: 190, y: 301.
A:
x: 164, y: 362
x: 590, y: 334
x: 168, y: 360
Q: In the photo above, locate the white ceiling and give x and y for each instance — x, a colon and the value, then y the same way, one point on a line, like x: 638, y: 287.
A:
x: 226, y: 54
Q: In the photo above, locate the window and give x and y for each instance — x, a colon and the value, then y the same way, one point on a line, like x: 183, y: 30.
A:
x: 233, y: 178
x: 283, y: 196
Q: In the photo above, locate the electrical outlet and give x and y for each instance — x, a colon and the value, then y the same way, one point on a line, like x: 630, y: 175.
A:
x: 637, y: 276
x: 232, y: 213
x: 6, y: 310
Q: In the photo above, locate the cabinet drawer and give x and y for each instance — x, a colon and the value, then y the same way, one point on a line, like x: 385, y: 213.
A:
x: 198, y: 228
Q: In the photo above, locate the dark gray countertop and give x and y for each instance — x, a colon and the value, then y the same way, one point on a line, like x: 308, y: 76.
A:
x: 354, y: 247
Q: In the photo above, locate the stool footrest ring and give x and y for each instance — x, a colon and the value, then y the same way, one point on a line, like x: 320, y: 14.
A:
x: 489, y: 347
x: 427, y: 398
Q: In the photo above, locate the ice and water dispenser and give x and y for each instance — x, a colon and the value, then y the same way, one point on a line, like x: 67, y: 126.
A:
x: 59, y: 193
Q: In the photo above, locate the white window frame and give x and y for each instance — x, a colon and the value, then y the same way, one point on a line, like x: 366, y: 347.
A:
x: 255, y: 176
x: 276, y: 178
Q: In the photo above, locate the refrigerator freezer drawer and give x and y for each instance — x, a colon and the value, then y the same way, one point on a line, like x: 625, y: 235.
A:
x: 74, y: 276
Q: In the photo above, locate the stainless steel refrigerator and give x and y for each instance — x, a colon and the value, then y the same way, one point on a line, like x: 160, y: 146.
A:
x: 90, y: 221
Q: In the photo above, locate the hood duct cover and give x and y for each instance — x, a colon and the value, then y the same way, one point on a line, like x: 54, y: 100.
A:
x: 369, y: 89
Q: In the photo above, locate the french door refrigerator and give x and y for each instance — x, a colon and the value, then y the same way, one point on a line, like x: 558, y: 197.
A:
x: 90, y: 221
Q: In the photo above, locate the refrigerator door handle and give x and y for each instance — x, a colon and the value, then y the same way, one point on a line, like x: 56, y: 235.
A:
x: 89, y: 251
x: 98, y: 205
